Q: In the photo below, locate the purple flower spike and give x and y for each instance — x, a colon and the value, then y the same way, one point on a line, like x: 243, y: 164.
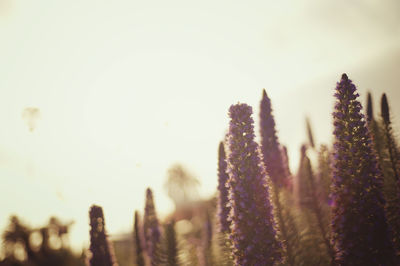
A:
x: 138, y: 241
x: 370, y: 110
x: 385, y: 109
x: 270, y: 146
x: 101, y: 249
x: 359, y: 229
x: 223, y: 208
x: 151, y: 227
x: 253, y: 232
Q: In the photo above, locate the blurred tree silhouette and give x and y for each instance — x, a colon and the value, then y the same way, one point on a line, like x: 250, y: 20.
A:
x: 45, y: 246
x: 181, y: 186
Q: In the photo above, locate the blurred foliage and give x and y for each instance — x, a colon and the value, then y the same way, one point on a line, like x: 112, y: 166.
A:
x: 314, y: 216
x: 181, y: 186
x: 44, y: 246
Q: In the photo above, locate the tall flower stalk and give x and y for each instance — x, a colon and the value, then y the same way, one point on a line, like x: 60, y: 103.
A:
x: 285, y: 159
x: 310, y: 200
x: 273, y: 159
x: 270, y: 147
x: 324, y: 176
x: 171, y: 251
x: 223, y: 208
x: 151, y: 228
x: 253, y: 231
x: 387, y: 150
x: 302, y: 191
x: 390, y: 142
x: 206, y: 245
x: 310, y: 133
x: 376, y: 130
x: 139, y: 259
x: 370, y: 110
x: 102, y: 253
x: 359, y: 229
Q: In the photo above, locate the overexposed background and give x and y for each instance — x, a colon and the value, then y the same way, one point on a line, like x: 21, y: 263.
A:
x: 126, y: 88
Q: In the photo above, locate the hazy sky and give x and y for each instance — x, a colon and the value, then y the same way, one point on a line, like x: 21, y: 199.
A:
x: 127, y: 88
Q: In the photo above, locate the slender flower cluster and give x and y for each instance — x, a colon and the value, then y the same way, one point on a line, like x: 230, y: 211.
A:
x: 274, y: 163
x: 324, y: 176
x: 270, y: 146
x: 285, y: 157
x: 151, y: 227
x: 310, y: 134
x: 302, y: 188
x: 310, y: 198
x: 370, y: 110
x: 390, y: 164
x: 392, y: 147
x: 171, y: 244
x: 207, y: 236
x: 360, y: 231
x: 253, y: 232
x: 138, y: 241
x: 208, y: 231
x: 375, y: 131
x: 223, y: 208
x: 285, y: 160
x: 385, y: 109
x: 101, y: 249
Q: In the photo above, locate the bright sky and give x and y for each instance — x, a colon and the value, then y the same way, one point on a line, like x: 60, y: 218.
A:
x: 126, y: 88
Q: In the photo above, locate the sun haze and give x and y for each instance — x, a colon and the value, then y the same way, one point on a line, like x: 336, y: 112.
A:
x: 125, y: 89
